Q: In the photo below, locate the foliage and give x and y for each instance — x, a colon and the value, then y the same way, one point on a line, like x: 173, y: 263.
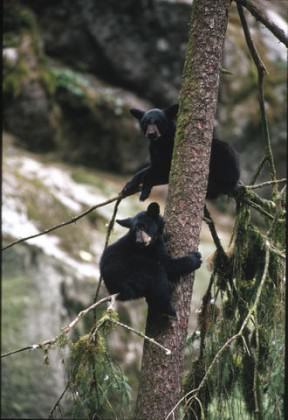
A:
x: 70, y: 80
x: 248, y: 377
x: 96, y: 384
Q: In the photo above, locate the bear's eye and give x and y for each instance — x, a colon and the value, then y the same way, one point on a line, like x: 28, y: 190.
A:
x: 141, y: 226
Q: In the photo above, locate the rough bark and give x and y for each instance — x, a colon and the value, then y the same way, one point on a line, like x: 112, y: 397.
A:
x: 160, y: 385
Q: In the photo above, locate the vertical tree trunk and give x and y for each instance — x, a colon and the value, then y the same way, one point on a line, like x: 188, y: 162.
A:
x: 160, y: 385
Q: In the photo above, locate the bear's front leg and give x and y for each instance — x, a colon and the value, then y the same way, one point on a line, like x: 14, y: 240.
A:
x: 183, y: 265
x: 145, y: 192
x: 133, y: 185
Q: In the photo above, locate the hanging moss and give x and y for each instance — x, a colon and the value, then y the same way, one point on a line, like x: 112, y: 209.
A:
x: 100, y: 385
x: 243, y: 369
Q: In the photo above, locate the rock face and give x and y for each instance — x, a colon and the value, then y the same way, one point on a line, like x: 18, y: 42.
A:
x: 139, y: 45
x: 96, y: 128
x: 47, y: 280
x: 31, y: 291
x: 29, y: 118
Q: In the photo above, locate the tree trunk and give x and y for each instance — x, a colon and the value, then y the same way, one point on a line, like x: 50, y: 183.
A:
x: 160, y: 385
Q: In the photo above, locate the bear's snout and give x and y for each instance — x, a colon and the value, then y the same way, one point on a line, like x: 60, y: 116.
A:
x: 152, y: 132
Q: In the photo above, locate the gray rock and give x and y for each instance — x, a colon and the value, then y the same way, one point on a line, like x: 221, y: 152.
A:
x: 137, y: 45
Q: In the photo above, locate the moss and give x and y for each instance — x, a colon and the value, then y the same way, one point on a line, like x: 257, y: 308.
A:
x: 13, y: 79
x: 21, y: 32
x: 48, y: 80
x: 84, y: 176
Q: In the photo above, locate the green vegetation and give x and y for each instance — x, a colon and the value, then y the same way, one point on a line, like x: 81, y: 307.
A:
x: 243, y: 379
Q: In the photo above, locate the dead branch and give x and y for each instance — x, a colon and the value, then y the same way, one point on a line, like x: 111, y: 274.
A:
x: 151, y: 340
x: 265, y: 184
x: 263, y: 18
x: 108, y: 234
x: 261, y: 73
x: 68, y: 222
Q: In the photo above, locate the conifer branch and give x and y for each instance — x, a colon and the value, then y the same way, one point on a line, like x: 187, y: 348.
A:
x: 194, y: 392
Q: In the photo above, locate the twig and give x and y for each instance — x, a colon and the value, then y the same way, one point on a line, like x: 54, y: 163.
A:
x: 261, y: 73
x: 256, y: 370
x: 32, y: 347
x: 263, y: 18
x: 69, y: 222
x: 222, y: 254
x: 205, y: 300
x: 210, y: 223
x: 278, y: 212
x: 85, y: 312
x: 151, y: 340
x: 231, y: 339
x: 65, y: 329
x: 264, y: 184
x: 257, y: 207
x: 50, y: 416
x: 108, y: 234
x: 259, y: 169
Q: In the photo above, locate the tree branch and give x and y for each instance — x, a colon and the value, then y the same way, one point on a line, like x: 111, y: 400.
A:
x: 108, y: 234
x: 265, y: 184
x: 57, y: 403
x: 151, y: 340
x: 261, y: 73
x: 65, y: 329
x: 68, y: 222
x: 215, y: 237
x: 263, y: 18
x: 231, y: 339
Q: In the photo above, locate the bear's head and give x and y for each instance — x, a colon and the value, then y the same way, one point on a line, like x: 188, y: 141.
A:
x: 146, y: 227
x: 156, y: 123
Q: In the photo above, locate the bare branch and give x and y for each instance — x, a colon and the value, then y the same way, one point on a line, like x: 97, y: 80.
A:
x: 68, y: 222
x: 151, y: 340
x: 258, y: 208
x: 261, y: 73
x: 259, y: 169
x: 65, y: 329
x: 265, y: 184
x: 108, y: 234
x: 210, y: 223
x: 57, y: 403
x: 263, y: 18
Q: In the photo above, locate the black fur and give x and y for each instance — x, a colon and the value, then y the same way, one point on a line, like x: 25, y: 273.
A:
x: 159, y: 127
x: 137, y: 267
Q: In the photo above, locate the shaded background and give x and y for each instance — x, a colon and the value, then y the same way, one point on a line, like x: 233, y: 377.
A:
x: 71, y: 72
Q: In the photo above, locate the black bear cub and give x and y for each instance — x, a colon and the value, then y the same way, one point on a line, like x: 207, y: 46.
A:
x: 159, y: 127
x: 138, y: 264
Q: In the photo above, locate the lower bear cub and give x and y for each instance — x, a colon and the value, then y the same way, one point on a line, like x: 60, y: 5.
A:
x: 138, y: 264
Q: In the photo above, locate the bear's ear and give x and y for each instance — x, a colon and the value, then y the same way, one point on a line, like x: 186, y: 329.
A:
x: 137, y: 113
x: 125, y: 222
x: 153, y: 210
x: 171, y: 111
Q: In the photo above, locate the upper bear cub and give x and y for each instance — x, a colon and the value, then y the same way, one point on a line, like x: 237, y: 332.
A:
x: 159, y: 127
x: 138, y: 265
